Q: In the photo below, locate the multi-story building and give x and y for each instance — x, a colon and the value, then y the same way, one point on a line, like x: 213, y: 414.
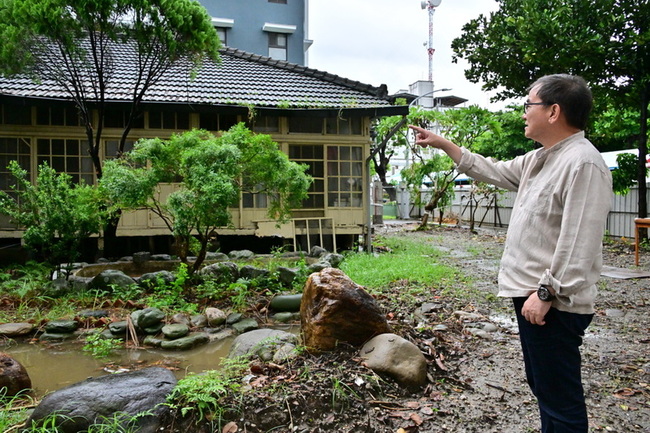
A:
x: 273, y: 28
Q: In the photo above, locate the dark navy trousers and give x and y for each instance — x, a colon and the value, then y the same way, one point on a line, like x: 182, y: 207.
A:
x: 553, y: 367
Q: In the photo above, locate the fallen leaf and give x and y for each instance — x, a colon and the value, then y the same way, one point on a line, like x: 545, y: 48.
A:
x: 259, y: 381
x: 417, y: 419
x: 624, y: 392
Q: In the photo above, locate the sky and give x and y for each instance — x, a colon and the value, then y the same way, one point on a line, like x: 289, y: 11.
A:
x: 385, y: 42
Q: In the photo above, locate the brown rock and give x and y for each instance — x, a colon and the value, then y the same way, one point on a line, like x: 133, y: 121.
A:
x: 15, y: 329
x: 13, y: 376
x: 335, y: 310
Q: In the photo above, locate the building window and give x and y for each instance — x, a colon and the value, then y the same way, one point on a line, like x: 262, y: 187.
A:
x: 57, y: 116
x: 118, y: 119
x: 217, y: 122
x: 169, y: 120
x: 254, y: 200
x: 69, y: 156
x: 278, y: 46
x: 344, y: 176
x: 338, y: 125
x: 284, y: 2
x: 16, y: 115
x: 111, y: 146
x: 306, y: 125
x: 13, y: 149
x: 312, y: 156
x: 266, y: 124
x: 223, y: 35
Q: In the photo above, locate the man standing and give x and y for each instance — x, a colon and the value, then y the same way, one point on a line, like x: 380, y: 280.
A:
x: 553, y: 252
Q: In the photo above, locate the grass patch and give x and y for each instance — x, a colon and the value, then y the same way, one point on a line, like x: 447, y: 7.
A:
x: 408, y: 260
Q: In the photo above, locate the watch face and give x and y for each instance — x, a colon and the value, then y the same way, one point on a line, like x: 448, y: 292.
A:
x: 543, y: 294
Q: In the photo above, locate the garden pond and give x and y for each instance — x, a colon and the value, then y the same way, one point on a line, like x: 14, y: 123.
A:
x: 52, y: 366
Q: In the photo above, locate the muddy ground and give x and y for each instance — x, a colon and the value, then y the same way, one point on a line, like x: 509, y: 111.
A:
x: 476, y: 383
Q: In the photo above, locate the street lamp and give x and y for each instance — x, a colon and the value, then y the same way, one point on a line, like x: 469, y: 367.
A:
x: 427, y: 94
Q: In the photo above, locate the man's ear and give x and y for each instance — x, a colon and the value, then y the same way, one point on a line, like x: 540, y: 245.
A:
x: 555, y: 113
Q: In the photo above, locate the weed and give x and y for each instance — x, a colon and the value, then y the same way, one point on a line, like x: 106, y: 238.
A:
x: 240, y: 290
x: 99, y: 346
x: 14, y: 409
x: 342, y: 393
x: 209, y: 289
x: 170, y: 295
x: 122, y: 292
x: 119, y: 422
x: 201, y: 394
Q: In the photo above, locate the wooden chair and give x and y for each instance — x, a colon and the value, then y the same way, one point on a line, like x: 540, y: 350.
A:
x: 639, y: 223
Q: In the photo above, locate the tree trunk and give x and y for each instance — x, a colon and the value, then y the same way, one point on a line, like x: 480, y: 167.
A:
x: 111, y: 245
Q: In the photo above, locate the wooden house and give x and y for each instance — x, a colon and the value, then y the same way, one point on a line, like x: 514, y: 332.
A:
x: 317, y: 118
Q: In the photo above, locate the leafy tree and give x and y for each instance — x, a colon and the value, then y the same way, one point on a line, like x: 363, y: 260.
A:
x: 623, y: 176
x: 508, y: 141
x: 615, y: 128
x: 605, y: 41
x: 212, y: 173
x: 463, y: 126
x: 438, y: 172
x: 79, y: 43
x: 391, y: 138
x: 57, y: 215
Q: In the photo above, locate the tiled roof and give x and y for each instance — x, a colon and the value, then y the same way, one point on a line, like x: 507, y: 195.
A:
x: 240, y: 79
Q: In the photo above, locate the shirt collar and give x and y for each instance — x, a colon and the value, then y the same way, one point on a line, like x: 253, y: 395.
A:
x: 543, y: 152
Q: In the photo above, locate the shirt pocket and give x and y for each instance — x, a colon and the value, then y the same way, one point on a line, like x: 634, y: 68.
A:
x: 539, y: 200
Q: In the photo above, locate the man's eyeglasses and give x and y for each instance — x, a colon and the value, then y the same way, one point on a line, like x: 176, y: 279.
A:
x: 528, y: 104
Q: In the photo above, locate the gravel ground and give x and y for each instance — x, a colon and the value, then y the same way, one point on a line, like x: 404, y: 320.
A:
x: 616, y: 355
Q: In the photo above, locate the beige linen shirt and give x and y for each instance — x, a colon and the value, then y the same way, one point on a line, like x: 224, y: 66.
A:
x: 555, y: 234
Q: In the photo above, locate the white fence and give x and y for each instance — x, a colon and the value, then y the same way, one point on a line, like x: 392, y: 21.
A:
x: 620, y: 222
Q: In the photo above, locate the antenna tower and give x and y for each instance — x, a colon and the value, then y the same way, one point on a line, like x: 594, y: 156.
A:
x: 430, y: 6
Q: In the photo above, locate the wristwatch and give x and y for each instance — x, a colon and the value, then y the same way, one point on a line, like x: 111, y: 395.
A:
x: 544, y: 294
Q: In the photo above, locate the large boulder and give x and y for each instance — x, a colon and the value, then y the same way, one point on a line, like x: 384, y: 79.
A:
x: 334, y: 310
x: 13, y: 376
x: 97, y: 399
